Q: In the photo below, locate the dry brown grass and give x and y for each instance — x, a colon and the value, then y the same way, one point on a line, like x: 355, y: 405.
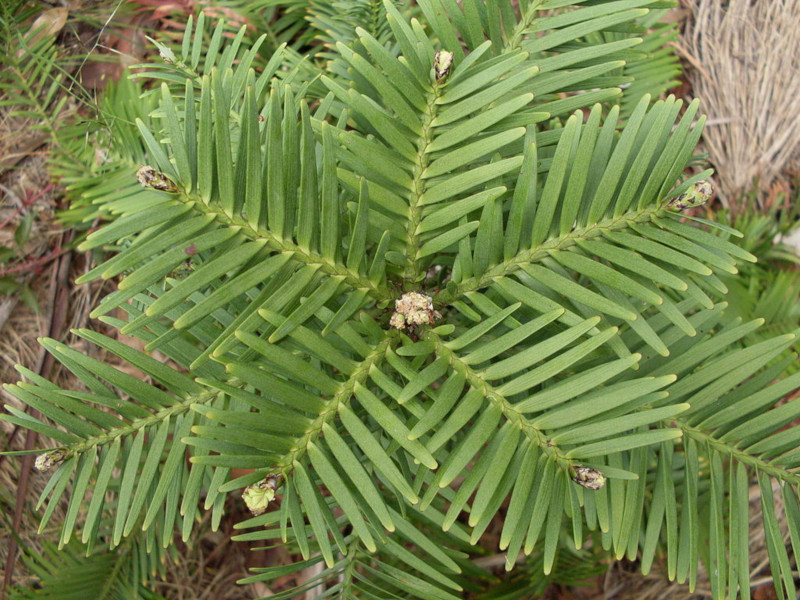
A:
x: 746, y: 59
x: 625, y: 582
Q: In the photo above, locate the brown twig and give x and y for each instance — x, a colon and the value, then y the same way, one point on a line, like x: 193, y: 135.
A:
x: 57, y: 308
x: 26, y: 148
x: 28, y: 266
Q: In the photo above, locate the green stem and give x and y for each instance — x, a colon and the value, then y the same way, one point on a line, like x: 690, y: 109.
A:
x: 525, y: 21
x: 741, y: 456
x: 144, y: 422
x: 533, y: 255
x: 302, y: 255
x: 332, y: 407
x: 377, y: 16
x: 413, y: 273
x: 352, y: 562
x: 508, y: 410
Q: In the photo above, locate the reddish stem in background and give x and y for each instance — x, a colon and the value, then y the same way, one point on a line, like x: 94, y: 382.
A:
x: 55, y: 253
x: 26, y: 203
x: 58, y: 308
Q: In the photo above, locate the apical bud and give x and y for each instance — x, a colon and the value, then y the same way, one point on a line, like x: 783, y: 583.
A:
x: 167, y: 55
x: 258, y: 495
x: 697, y: 195
x: 48, y: 460
x: 398, y: 321
x: 413, y: 309
x: 441, y: 64
x: 148, y: 177
x: 589, y: 478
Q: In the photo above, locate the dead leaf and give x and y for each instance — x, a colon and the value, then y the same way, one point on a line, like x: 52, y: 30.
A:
x: 96, y: 74
x: 47, y: 24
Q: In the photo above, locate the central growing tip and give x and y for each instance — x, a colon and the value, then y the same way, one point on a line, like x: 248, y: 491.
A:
x: 413, y: 309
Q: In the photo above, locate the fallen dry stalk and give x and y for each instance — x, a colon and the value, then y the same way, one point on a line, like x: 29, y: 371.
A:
x: 750, y: 85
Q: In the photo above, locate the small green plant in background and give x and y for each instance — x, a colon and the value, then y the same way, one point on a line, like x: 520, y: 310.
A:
x: 432, y: 299
x: 769, y: 288
x: 30, y: 83
x: 9, y: 284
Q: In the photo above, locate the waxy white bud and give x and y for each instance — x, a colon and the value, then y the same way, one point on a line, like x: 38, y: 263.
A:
x: 413, y: 309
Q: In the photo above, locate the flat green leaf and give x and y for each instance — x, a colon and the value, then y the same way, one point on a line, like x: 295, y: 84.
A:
x: 376, y: 454
x: 443, y: 401
x: 314, y: 509
x: 602, y: 429
x: 574, y: 291
x: 623, y: 443
x: 85, y: 469
x: 358, y: 475
x: 148, y: 473
x: 571, y: 387
x: 535, y: 352
x: 554, y: 366
x: 472, y: 127
x: 465, y: 181
x: 394, y: 426
x: 447, y: 239
x: 483, y: 428
x: 510, y: 339
x: 339, y: 489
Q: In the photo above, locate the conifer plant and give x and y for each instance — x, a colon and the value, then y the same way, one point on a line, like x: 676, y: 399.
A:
x: 425, y: 295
